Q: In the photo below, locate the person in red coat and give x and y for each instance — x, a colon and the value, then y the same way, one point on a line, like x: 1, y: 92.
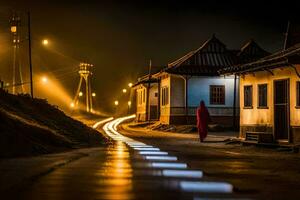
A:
x: 203, y: 119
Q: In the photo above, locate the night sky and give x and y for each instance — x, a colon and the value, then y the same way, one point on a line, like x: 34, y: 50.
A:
x: 120, y: 37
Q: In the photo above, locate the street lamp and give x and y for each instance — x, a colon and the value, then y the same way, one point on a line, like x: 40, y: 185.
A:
x: 93, y: 94
x: 124, y: 90
x: 44, y: 80
x: 116, y: 103
x: 80, y: 94
x: 130, y: 85
x: 72, y: 105
x: 45, y: 42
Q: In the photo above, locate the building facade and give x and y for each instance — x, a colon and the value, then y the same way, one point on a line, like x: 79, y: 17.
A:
x: 270, y: 97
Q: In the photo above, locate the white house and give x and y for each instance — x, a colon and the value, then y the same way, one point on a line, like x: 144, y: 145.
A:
x: 194, y: 77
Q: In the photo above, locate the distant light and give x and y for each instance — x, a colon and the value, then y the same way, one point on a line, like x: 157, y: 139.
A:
x: 13, y: 29
x: 116, y: 103
x: 93, y: 94
x: 45, y: 42
x: 124, y: 90
x: 129, y: 103
x: 7, y: 84
x: 44, y: 79
x: 80, y: 94
x: 72, y: 105
x: 130, y: 84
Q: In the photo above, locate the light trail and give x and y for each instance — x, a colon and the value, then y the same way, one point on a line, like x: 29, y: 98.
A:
x: 167, y: 165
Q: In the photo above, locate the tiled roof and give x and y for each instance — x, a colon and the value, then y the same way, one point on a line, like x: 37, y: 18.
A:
x: 213, y: 56
x: 278, y: 59
x: 206, y: 60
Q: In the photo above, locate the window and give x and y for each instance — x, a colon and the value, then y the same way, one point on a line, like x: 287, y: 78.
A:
x: 156, y: 94
x: 165, y: 96
x: 298, y: 94
x: 217, y: 94
x: 248, y: 96
x: 144, y: 95
x: 262, y: 95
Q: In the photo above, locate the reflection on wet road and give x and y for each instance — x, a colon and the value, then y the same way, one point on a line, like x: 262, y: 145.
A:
x: 166, y: 170
x: 127, y: 169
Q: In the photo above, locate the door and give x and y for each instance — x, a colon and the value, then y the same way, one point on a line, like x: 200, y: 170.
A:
x: 281, y: 109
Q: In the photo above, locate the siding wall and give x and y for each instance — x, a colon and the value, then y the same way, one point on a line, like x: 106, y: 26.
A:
x: 264, y: 117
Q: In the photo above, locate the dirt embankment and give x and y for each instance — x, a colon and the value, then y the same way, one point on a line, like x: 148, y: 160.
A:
x: 32, y: 127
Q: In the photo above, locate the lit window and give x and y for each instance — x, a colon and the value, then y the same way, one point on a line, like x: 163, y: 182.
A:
x: 248, y: 96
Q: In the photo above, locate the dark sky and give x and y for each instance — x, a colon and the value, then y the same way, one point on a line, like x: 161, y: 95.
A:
x: 120, y: 37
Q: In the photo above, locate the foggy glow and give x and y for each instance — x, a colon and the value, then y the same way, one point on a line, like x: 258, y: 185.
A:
x: 80, y: 94
x: 208, y: 187
x: 44, y: 80
x: 93, y: 94
x: 72, y: 105
x: 116, y: 103
x: 45, y: 42
x: 124, y: 90
x: 130, y: 84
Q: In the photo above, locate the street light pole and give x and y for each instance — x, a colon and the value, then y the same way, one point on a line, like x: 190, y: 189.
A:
x: 29, y: 54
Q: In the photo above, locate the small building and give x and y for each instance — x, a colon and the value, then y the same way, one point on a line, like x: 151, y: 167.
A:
x: 194, y: 77
x: 147, y: 86
x: 270, y: 97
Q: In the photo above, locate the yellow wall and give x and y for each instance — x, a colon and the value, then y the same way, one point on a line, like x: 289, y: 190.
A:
x: 257, y: 116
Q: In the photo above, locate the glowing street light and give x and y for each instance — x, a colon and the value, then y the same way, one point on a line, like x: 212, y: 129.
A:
x: 129, y: 103
x: 72, y: 105
x: 116, y: 103
x: 130, y: 84
x: 93, y: 94
x: 80, y: 94
x: 45, y: 42
x: 124, y: 90
x: 44, y: 80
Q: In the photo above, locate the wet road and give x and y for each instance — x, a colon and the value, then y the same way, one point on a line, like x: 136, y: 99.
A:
x: 127, y: 169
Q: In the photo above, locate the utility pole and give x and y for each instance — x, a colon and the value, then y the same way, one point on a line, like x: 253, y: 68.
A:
x: 286, y: 36
x: 15, y: 24
x: 148, y: 93
x: 29, y: 54
x: 85, y: 72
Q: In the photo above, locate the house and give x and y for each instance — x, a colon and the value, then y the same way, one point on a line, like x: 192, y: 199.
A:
x: 270, y: 97
x: 142, y: 87
x: 194, y: 77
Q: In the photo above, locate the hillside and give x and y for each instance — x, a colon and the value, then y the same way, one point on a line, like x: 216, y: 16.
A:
x: 32, y: 127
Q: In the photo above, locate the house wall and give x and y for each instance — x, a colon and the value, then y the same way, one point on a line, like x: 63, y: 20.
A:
x: 257, y: 119
x: 165, y: 109
x: 141, y: 102
x: 199, y: 89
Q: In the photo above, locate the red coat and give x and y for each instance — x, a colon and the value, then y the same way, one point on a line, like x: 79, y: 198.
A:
x: 203, y: 119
